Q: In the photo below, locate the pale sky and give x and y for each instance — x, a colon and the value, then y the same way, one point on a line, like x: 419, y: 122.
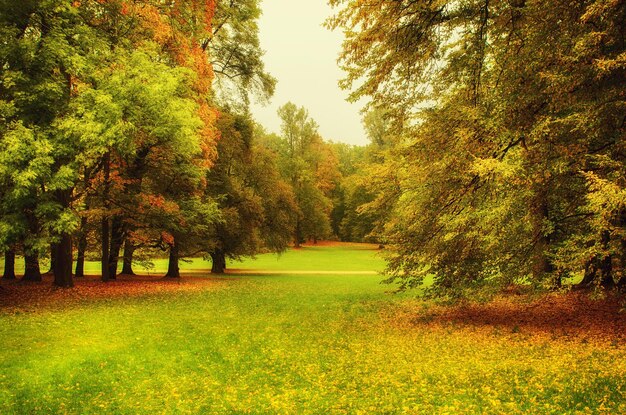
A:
x: 302, y: 55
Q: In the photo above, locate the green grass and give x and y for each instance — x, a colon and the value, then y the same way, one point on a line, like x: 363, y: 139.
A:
x: 308, y: 258
x: 290, y: 344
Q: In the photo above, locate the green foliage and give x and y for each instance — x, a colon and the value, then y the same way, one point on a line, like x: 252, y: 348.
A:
x: 237, y: 55
x: 49, y: 49
x: 103, y: 104
x: 309, y: 165
x: 501, y: 132
x: 255, y: 203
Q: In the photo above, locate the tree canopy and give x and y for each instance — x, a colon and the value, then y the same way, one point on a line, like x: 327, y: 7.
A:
x: 508, y: 117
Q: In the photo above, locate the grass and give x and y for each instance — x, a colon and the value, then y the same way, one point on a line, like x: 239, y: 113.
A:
x: 323, y: 257
x: 292, y: 343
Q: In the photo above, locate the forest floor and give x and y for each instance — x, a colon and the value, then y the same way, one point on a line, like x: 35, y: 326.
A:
x: 312, y: 331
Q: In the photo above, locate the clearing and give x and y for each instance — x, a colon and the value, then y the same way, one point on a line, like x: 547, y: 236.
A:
x: 310, y: 332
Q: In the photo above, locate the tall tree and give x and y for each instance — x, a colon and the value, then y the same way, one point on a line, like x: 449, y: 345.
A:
x: 256, y: 204
x: 503, y: 122
x: 303, y: 153
x: 236, y: 54
x: 49, y: 49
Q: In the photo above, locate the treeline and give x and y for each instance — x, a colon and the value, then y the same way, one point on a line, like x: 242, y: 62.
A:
x: 125, y: 132
x: 504, y: 131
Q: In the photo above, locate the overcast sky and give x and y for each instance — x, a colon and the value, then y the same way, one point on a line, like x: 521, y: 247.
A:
x: 302, y: 55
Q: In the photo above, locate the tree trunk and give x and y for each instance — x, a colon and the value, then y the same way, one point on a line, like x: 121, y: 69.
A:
x: 606, y: 265
x: 590, y: 274
x: 117, y: 238
x: 622, y: 254
x: 61, y: 255
x: 600, y: 268
x: 606, y: 273
x: 63, y: 262
x: 541, y: 265
x: 104, y: 257
x: 129, y: 250
x: 9, y: 264
x: 219, y: 262
x: 82, y: 247
x: 296, y: 235
x: 31, y: 267
x: 172, y: 267
x: 52, y: 259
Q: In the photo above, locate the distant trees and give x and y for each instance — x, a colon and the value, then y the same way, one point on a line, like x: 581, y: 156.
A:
x: 255, y: 204
x: 364, y: 201
x: 508, y: 126
x: 309, y: 165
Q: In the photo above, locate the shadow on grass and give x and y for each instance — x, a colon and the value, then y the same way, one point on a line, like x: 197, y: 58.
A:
x: 574, y: 314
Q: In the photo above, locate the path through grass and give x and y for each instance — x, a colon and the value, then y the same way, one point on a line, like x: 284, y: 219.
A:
x: 292, y: 344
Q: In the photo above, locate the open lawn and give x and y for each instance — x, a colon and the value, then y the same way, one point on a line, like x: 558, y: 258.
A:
x: 274, y: 337
x: 324, y: 256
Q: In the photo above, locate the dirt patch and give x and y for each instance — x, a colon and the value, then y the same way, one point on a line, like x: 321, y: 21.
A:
x: 577, y: 315
x: 29, y: 296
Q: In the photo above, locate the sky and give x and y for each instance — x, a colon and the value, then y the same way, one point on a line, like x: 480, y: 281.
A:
x: 302, y: 55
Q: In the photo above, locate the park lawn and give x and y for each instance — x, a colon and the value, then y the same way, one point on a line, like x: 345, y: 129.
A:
x: 324, y: 257
x: 293, y: 343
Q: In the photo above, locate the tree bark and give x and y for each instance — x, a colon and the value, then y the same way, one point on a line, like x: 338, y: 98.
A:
x: 31, y: 267
x: 541, y: 265
x: 173, y: 271
x: 61, y: 255
x: 117, y: 238
x: 590, y: 274
x: 32, y: 272
x: 63, y: 262
x: 104, y: 257
x: 129, y: 250
x: 599, y: 269
x: 9, y: 265
x: 52, y: 259
x: 296, y: 235
x: 622, y: 254
x: 606, y: 272
x: 606, y: 265
x: 81, y: 249
x: 219, y: 262
x: 104, y: 236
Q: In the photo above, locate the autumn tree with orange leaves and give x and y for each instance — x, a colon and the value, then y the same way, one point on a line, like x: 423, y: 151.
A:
x: 90, y: 88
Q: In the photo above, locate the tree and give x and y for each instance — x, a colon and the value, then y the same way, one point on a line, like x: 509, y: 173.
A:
x: 69, y: 121
x: 49, y: 48
x: 366, y: 175
x: 501, y: 122
x: 255, y: 203
x: 310, y: 169
x: 236, y: 54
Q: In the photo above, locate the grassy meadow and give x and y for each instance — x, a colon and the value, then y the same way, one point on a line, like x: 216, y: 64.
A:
x: 310, y: 332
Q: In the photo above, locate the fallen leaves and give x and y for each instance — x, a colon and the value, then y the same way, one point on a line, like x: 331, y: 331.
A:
x: 575, y: 315
x: 17, y: 296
